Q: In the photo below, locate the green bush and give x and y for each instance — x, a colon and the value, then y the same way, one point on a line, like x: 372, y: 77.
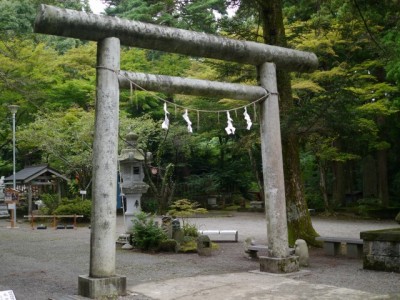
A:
x: 51, y: 202
x: 190, y: 230
x: 75, y: 207
x: 169, y: 245
x: 185, y: 208
x: 146, y: 235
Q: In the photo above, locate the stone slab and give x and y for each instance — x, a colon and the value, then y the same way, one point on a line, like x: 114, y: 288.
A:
x: 100, y: 287
x: 279, y: 265
x: 238, y: 286
x: 389, y: 235
x: 354, y: 250
x: 332, y: 248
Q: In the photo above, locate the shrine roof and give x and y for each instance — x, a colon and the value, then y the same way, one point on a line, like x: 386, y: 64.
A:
x: 32, y: 172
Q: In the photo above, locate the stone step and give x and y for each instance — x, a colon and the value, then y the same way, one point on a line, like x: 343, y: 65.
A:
x: 69, y: 297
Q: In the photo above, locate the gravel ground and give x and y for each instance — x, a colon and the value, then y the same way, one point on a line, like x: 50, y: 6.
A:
x: 45, y: 264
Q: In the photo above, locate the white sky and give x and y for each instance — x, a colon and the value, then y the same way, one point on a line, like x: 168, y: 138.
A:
x: 97, y: 6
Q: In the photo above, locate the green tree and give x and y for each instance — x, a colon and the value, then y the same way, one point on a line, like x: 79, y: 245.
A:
x: 49, y: 134
x: 272, y: 32
x: 195, y: 15
x: 349, y: 100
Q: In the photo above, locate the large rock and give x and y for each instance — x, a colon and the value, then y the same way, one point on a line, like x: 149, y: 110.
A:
x: 382, y: 250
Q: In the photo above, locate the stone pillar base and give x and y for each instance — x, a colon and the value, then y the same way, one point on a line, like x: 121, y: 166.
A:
x: 279, y: 265
x: 99, y: 287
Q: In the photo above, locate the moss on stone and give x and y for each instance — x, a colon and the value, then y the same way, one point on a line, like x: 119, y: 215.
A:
x: 389, y: 235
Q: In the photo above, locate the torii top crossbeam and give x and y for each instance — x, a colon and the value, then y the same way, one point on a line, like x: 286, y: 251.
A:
x: 81, y: 25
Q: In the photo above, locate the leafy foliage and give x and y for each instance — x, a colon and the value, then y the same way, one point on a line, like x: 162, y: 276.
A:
x: 50, y: 203
x: 345, y: 111
x: 190, y: 230
x: 53, y: 206
x: 75, y: 207
x: 184, y: 208
x: 146, y: 235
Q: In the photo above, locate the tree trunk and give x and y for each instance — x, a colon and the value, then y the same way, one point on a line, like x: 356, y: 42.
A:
x: 166, y: 190
x: 322, y: 186
x: 338, y: 188
x: 256, y: 173
x: 383, y: 177
x: 382, y: 167
x: 370, y: 178
x: 299, y: 221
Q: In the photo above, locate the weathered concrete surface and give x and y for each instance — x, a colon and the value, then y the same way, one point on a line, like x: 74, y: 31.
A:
x: 271, y: 147
x: 77, y: 24
x: 239, y: 286
x: 188, y: 86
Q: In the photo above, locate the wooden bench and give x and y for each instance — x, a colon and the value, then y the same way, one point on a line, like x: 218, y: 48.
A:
x: 221, y: 235
x: 54, y: 217
x: 332, y: 246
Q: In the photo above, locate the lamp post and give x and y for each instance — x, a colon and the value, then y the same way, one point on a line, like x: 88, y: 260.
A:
x: 14, y: 109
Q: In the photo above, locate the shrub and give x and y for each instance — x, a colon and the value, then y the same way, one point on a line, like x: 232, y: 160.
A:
x: 75, y: 207
x: 190, y: 230
x: 169, y: 245
x: 50, y: 203
x: 146, y: 235
x: 184, y: 208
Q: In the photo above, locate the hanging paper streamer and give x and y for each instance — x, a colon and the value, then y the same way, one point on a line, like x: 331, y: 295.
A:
x: 229, y: 129
x: 247, y: 118
x: 165, y: 124
x: 186, y: 118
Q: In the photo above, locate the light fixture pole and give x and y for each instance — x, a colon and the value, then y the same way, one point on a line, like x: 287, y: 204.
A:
x: 14, y: 109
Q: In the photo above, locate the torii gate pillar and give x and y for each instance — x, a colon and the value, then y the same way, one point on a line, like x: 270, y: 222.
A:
x: 278, y: 259
x: 102, y: 280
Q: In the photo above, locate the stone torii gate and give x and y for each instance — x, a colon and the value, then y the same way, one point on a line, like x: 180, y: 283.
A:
x: 110, y: 33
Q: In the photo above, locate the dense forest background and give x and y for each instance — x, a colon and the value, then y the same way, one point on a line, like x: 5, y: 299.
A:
x: 343, y: 119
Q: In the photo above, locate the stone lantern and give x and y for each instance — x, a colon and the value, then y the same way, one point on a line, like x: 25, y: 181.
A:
x: 131, y: 163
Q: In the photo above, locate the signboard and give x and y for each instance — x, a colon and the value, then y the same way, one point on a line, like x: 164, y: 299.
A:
x: 83, y: 192
x: 11, y: 206
x: 7, y: 295
x: 10, y: 195
x: 4, y: 210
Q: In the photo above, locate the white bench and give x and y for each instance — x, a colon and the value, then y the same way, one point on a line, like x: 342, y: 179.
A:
x: 221, y: 235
